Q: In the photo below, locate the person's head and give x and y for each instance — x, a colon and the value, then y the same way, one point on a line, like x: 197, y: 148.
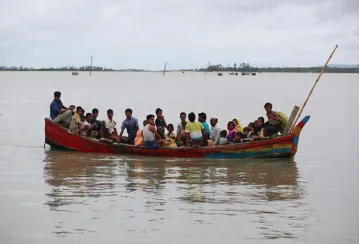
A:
x: 231, y: 125
x: 235, y: 121
x: 150, y: 119
x: 246, y: 130
x: 88, y: 117
x: 170, y: 128
x: 251, y: 125
x: 268, y: 107
x: 191, y: 117
x: 95, y: 113
x: 183, y: 116
x: 128, y: 113
x: 238, y: 135
x: 110, y: 113
x: 83, y: 118
x: 57, y: 95
x: 159, y: 112
x: 72, y: 107
x: 259, y: 122
x: 145, y: 123
x: 82, y: 112
x: 223, y: 133
x: 213, y: 121
x: 262, y: 120
x: 202, y: 117
x: 78, y: 109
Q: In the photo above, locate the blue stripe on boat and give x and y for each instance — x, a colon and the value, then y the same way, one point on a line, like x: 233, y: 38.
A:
x: 249, y: 154
x: 296, y: 140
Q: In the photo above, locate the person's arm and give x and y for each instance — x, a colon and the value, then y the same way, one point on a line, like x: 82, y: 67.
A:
x: 165, y: 124
x: 187, y: 140
x: 79, y: 128
x: 153, y: 129
x: 136, y: 125
x: 217, y: 134
x: 276, y: 117
x: 122, y: 129
x: 115, y: 131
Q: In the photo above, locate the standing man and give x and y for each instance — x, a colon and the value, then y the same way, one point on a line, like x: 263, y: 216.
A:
x: 60, y: 113
x: 131, y: 125
x: 160, y: 123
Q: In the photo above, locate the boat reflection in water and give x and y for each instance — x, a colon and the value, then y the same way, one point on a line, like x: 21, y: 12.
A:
x: 261, y: 188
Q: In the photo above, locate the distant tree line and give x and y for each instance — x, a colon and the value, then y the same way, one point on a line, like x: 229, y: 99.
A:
x: 246, y: 67
x: 65, y: 68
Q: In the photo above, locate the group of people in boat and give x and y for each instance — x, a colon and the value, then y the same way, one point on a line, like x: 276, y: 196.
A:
x: 157, y: 132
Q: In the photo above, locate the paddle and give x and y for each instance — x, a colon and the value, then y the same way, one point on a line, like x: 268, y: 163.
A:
x: 316, y: 81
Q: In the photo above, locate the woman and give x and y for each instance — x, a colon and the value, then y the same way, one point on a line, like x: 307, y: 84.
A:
x: 232, y: 130
x: 239, y: 128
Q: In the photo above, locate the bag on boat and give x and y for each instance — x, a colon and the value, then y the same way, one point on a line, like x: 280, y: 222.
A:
x: 284, y: 121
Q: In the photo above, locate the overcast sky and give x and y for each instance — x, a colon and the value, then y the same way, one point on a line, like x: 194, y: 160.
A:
x: 185, y: 33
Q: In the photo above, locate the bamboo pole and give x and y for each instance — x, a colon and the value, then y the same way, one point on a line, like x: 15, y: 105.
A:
x: 164, y: 68
x: 316, y: 81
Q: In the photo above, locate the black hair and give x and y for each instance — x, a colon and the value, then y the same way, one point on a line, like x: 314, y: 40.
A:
x: 214, y: 119
x: 83, y: 117
x: 95, y: 110
x: 158, y: 110
x: 239, y: 133
x: 182, y: 113
x: 71, y: 106
x: 223, y: 133
x: 78, y: 108
x: 252, y: 124
x: 144, y: 122
x: 203, y: 115
x: 246, y: 129
x: 231, y: 122
x: 262, y: 119
x: 191, y: 117
x: 150, y: 116
x: 110, y: 111
x: 83, y: 110
x: 88, y: 114
x: 128, y: 110
x: 267, y: 104
x: 171, y: 125
x: 57, y: 94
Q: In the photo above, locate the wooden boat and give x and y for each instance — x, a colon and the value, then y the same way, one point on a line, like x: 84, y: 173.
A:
x: 285, y: 146
x: 253, y: 73
x: 220, y: 74
x: 75, y: 73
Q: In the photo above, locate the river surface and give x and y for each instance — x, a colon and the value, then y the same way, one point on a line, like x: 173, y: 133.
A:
x: 50, y: 196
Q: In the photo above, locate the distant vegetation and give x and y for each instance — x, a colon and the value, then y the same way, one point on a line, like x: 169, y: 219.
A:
x: 242, y: 67
x: 245, y: 67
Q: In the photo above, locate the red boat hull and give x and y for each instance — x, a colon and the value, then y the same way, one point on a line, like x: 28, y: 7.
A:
x: 57, y: 136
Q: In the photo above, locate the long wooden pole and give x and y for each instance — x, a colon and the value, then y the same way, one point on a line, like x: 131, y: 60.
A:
x: 322, y: 71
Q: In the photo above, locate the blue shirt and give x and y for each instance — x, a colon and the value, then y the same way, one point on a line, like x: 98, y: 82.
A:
x: 207, y: 128
x: 131, y: 126
x: 55, y: 108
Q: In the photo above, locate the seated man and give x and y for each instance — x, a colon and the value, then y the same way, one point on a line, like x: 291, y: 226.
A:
x: 96, y: 126
x: 151, y: 136
x: 273, y: 125
x: 58, y: 112
x: 75, y: 124
x: 194, y: 132
x: 110, y: 127
x: 131, y: 125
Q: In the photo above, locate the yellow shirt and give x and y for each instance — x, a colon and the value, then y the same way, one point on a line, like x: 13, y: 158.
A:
x: 74, y: 122
x: 194, y: 128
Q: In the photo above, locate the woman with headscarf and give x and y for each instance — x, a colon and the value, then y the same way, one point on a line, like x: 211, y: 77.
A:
x: 232, y: 130
x: 239, y: 128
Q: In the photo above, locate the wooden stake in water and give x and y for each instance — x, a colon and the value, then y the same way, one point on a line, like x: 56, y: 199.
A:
x: 91, y: 58
x: 164, y: 68
x: 207, y: 68
x: 322, y: 71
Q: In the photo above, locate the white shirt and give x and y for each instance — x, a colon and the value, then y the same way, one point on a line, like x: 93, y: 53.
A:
x: 111, y: 125
x: 83, y: 124
x: 215, y: 133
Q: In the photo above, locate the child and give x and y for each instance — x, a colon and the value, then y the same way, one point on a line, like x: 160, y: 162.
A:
x: 231, y: 126
x: 160, y: 123
x: 85, y: 124
x: 223, y: 139
x: 171, y: 134
x: 246, y: 135
x: 237, y: 137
